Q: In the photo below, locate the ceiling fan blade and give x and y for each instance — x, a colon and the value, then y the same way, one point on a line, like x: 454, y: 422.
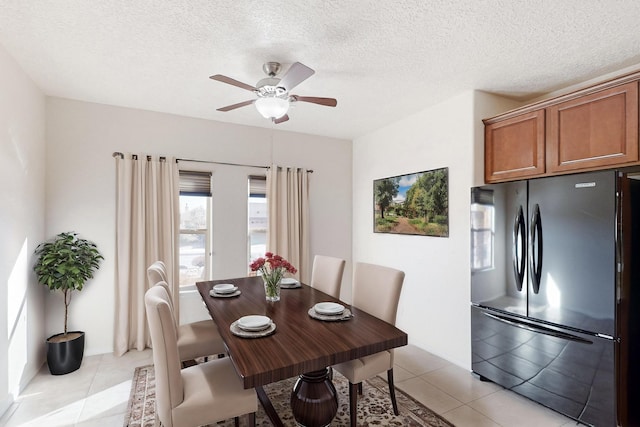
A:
x: 238, y: 105
x: 328, y: 102
x: 281, y: 119
x: 296, y: 74
x: 233, y: 82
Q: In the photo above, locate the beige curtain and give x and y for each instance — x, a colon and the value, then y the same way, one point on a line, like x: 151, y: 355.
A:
x: 147, y: 221
x: 288, y: 201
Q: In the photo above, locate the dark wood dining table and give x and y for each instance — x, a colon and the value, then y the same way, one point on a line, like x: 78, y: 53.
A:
x: 300, y: 346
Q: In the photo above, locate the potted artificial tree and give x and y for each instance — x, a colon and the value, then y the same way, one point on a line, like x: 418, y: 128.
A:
x: 65, y: 263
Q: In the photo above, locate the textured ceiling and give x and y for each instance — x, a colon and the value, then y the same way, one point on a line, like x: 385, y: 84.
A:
x: 382, y: 60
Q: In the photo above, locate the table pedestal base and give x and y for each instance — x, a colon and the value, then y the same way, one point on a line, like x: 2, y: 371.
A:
x: 314, y: 401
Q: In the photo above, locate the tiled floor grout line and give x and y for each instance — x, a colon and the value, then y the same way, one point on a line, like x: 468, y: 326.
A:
x: 462, y: 404
x: 89, y: 387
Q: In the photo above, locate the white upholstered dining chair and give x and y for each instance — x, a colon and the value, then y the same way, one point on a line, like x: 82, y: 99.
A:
x: 376, y: 290
x: 157, y: 272
x: 196, y: 339
x: 201, y: 394
x: 326, y: 274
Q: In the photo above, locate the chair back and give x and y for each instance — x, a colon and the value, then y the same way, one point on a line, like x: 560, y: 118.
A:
x: 166, y: 361
x: 326, y: 274
x: 376, y: 290
x: 157, y: 272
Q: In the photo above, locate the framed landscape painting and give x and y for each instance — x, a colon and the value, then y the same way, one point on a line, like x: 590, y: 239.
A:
x: 416, y: 203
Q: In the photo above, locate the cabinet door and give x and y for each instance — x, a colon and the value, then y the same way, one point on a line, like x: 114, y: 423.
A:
x: 594, y: 131
x: 514, y: 148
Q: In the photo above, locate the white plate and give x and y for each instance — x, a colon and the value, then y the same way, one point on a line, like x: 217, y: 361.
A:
x: 225, y: 288
x: 254, y: 322
x: 288, y: 281
x: 231, y: 295
x: 330, y: 308
x: 236, y: 330
x: 345, y: 315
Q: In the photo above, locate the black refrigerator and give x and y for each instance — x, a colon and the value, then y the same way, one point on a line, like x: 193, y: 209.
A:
x: 551, y: 268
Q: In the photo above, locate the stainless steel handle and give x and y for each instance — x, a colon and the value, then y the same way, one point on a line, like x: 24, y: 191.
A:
x: 535, y: 249
x: 538, y: 328
x: 519, y: 259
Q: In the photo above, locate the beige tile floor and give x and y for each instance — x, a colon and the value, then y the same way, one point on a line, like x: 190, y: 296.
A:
x: 462, y: 398
x: 97, y: 394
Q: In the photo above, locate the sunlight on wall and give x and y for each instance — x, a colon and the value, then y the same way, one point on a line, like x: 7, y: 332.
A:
x: 554, y: 296
x: 17, y: 319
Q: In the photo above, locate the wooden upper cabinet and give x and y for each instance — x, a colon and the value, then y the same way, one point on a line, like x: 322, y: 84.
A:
x: 593, y: 131
x: 514, y: 148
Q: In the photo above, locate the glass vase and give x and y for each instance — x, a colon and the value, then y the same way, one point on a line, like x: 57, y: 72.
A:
x: 272, y: 288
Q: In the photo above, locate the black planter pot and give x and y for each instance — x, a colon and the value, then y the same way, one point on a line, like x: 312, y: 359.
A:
x: 65, y: 356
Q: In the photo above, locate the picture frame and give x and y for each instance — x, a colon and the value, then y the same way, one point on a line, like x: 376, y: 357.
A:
x: 414, y: 204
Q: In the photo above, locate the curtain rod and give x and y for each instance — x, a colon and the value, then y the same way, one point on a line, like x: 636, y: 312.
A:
x: 119, y: 154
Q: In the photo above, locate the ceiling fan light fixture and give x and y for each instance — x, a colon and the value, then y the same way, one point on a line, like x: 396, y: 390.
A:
x: 273, y: 94
x: 272, y: 107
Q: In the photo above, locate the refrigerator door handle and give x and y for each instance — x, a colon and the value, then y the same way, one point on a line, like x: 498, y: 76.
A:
x: 538, y: 328
x: 519, y: 242
x: 535, y: 249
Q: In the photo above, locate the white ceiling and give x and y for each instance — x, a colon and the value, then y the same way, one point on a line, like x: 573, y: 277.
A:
x: 382, y: 60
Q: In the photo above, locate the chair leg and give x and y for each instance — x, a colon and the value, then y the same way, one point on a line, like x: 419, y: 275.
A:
x: 392, y: 391
x: 353, y: 404
x: 252, y: 419
x: 360, y: 389
x: 236, y: 421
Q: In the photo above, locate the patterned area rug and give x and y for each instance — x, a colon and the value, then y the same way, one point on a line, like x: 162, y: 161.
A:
x: 374, y: 405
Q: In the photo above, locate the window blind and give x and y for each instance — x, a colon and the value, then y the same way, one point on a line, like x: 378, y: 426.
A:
x: 194, y: 183
x: 482, y: 196
x: 257, y: 186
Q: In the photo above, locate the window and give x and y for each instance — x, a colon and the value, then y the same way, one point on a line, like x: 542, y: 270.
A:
x: 258, y: 217
x: 482, y: 229
x: 195, y: 227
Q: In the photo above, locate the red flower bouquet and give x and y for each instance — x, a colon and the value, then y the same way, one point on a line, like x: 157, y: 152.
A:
x: 272, y: 268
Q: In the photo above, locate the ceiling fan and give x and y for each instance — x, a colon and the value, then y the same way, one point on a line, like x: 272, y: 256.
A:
x: 273, y: 94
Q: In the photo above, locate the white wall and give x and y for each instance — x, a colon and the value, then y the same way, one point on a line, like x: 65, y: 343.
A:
x: 80, y: 188
x: 22, y: 205
x: 434, y: 305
